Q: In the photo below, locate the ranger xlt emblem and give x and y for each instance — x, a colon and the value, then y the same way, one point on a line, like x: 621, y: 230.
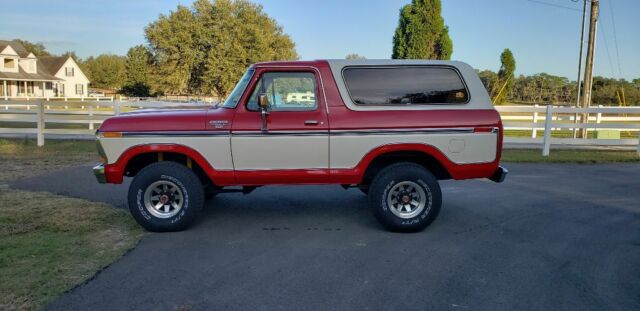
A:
x: 218, y: 123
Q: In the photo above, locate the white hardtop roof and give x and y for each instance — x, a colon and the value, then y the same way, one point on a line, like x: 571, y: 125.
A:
x: 387, y: 62
x: 478, y: 97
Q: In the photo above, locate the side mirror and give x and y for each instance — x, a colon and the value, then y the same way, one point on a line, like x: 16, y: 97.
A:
x: 263, y: 102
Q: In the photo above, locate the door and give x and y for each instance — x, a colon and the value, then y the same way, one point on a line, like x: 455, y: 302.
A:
x: 294, y: 146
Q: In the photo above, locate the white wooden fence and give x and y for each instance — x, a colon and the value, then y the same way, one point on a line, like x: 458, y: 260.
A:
x: 81, y: 116
x: 557, y: 118
x: 31, y: 117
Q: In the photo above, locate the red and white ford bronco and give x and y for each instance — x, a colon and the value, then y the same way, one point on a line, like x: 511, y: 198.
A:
x: 392, y: 128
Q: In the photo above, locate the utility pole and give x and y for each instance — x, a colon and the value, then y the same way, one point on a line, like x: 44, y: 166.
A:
x: 578, y: 93
x: 588, y: 72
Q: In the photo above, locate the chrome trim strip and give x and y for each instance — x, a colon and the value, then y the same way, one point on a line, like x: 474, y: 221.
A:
x: 280, y: 133
x: 355, y: 132
x: 175, y: 133
x: 304, y: 132
x: 403, y: 131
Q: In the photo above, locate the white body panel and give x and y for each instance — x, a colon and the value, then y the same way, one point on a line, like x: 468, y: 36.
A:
x: 216, y: 149
x: 280, y: 152
x: 347, y: 151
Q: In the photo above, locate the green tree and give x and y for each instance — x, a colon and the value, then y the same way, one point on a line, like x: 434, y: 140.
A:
x: 204, y: 49
x: 137, y: 71
x: 505, y: 77
x: 354, y: 56
x: 106, y: 71
x: 38, y: 49
x: 421, y: 32
x: 73, y: 55
x: 489, y: 80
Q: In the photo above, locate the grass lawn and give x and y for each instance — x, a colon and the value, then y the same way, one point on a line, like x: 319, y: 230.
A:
x: 51, y: 243
x: 569, y: 156
x: 23, y: 158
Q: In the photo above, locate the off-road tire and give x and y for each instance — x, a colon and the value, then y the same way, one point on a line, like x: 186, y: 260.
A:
x: 392, y: 177
x: 179, y: 175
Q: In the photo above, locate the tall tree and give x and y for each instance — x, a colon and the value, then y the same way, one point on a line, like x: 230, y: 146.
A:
x: 205, y: 48
x: 73, y: 55
x: 38, y: 49
x: 137, y: 71
x: 354, y: 56
x: 106, y: 71
x: 421, y: 32
x: 505, y: 77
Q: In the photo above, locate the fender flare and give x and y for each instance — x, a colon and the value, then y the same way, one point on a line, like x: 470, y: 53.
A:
x: 115, y: 171
x: 456, y: 171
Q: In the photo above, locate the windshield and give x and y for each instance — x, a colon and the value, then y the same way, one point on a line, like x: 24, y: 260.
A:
x: 235, y: 95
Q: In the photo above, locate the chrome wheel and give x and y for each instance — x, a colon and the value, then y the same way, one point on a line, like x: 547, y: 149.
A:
x: 407, y: 199
x: 163, y: 199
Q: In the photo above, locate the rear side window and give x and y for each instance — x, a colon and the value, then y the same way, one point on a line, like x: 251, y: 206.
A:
x: 418, y: 85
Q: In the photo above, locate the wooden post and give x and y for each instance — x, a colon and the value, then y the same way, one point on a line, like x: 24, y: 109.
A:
x: 599, y: 115
x: 116, y: 108
x: 638, y: 151
x: 535, y: 120
x: 40, y: 124
x: 5, y: 90
x: 547, y: 132
x: 90, y: 107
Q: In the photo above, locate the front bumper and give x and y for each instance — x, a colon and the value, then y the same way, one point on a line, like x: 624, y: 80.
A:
x: 98, y: 171
x: 500, y: 174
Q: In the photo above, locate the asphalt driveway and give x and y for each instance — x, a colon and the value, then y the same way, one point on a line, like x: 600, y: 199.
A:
x: 552, y: 237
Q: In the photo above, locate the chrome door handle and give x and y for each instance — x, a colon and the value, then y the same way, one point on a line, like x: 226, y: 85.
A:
x: 311, y: 122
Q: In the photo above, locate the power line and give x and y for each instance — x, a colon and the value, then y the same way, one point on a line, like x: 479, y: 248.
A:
x: 615, y: 36
x: 555, y: 5
x: 606, y: 47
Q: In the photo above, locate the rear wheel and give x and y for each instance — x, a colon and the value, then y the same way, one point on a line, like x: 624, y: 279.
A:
x: 405, y: 197
x: 165, y: 196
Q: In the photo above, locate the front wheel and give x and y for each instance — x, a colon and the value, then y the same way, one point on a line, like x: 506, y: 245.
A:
x: 165, y: 196
x: 405, y: 197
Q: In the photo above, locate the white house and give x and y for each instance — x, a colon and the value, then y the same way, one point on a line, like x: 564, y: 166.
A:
x: 22, y: 74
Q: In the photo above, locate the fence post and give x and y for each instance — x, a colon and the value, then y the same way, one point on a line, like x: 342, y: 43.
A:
x: 547, y: 132
x: 599, y: 115
x: 534, y: 130
x: 90, y: 107
x: 40, y: 124
x: 116, y: 108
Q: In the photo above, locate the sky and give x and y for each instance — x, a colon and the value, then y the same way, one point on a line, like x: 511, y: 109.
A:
x: 542, y: 37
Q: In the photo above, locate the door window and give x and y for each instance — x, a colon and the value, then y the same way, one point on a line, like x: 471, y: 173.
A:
x: 286, y: 91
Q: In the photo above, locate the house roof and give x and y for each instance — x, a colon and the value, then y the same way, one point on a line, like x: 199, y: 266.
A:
x: 43, y: 74
x: 52, y: 64
x: 17, y: 46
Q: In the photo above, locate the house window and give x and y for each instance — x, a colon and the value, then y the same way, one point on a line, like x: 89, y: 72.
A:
x: 69, y: 71
x: 79, y: 89
x: 32, y: 66
x: 9, y: 63
x: 48, y: 85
